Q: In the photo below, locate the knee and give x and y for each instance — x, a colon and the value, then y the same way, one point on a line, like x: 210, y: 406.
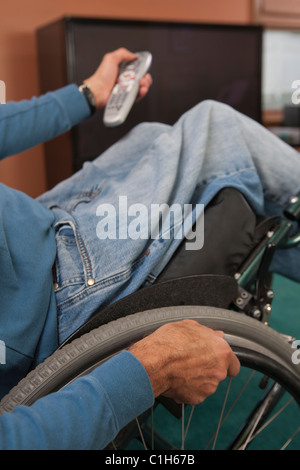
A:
x: 212, y: 105
x: 209, y: 112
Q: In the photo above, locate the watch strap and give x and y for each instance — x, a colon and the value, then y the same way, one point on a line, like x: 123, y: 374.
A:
x: 88, y: 94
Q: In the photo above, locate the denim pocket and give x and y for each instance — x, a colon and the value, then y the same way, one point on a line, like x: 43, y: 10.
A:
x: 69, y: 266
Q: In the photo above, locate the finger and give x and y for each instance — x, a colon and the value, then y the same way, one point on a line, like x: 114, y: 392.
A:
x: 145, y: 84
x: 234, y: 366
x: 220, y: 333
x: 142, y: 92
x: 146, y: 80
x: 124, y: 54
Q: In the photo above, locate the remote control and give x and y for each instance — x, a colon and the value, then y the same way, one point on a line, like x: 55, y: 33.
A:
x: 126, y: 89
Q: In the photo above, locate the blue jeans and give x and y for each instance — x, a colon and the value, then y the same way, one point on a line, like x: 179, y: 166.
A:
x: 210, y: 147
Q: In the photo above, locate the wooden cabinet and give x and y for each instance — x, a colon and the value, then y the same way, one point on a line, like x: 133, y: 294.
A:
x: 277, y: 13
x: 191, y: 62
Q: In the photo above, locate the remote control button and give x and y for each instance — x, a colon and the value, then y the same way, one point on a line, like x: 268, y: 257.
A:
x: 126, y: 76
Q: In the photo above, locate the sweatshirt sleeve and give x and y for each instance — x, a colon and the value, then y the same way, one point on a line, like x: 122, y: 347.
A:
x: 27, y: 123
x: 86, y: 414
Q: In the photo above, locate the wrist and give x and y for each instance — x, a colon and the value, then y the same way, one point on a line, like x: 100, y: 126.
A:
x: 89, y: 96
x: 154, y: 364
x: 98, y: 90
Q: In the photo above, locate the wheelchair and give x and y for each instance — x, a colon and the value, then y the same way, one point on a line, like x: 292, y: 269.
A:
x: 227, y: 285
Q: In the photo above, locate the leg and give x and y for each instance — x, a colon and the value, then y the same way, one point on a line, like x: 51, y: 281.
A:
x: 210, y: 147
x: 277, y: 165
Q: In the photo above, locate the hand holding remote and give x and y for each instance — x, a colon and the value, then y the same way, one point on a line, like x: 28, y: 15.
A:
x: 126, y: 89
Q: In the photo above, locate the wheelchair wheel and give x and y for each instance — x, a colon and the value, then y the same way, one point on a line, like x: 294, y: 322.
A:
x: 258, y: 347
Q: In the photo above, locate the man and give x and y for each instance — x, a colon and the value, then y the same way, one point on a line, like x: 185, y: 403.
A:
x: 38, y: 309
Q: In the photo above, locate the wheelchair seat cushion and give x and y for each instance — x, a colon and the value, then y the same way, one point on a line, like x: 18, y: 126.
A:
x: 231, y: 231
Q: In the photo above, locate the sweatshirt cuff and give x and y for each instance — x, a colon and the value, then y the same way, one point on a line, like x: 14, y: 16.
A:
x: 73, y: 103
x: 127, y: 385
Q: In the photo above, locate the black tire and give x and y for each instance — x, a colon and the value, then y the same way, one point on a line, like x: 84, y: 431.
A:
x: 256, y: 345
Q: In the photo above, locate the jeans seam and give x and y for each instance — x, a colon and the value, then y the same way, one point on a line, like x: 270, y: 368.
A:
x: 84, y: 255
x: 227, y: 175
x: 86, y: 262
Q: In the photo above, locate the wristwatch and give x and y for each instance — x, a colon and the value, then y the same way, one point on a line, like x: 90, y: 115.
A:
x: 86, y: 91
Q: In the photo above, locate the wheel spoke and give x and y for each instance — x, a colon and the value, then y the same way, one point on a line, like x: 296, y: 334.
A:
x: 182, y: 427
x: 290, y: 439
x: 141, y: 434
x: 222, y: 413
x: 189, y: 421
x: 270, y: 420
x: 233, y: 405
x: 152, y: 428
x: 244, y: 446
